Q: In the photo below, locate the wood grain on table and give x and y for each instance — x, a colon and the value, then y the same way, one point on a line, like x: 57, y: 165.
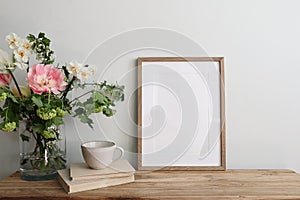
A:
x: 219, y: 185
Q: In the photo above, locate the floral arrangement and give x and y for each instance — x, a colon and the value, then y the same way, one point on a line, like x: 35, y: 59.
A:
x: 42, y: 100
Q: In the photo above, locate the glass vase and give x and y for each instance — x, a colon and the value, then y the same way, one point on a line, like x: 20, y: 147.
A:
x: 40, y: 158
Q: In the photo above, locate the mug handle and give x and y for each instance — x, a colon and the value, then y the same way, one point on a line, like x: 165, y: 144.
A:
x: 122, y: 153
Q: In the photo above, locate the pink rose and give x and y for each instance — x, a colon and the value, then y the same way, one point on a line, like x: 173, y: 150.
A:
x: 5, y: 79
x: 44, y: 78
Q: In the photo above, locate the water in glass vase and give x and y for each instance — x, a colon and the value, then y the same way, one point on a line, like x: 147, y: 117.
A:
x: 41, y: 157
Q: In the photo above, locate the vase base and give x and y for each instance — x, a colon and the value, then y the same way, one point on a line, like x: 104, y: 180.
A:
x: 29, y: 177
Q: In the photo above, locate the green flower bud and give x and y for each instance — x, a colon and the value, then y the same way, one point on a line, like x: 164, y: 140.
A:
x: 45, y: 113
x: 9, y: 126
x: 60, y: 112
x: 48, y: 134
x: 3, y: 96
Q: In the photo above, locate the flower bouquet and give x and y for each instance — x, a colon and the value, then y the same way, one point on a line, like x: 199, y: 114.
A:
x: 38, y: 106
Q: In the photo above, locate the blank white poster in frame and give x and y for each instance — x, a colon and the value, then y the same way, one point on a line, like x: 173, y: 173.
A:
x: 181, y: 113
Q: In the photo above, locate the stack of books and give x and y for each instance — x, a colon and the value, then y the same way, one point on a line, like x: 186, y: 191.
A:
x: 82, y: 178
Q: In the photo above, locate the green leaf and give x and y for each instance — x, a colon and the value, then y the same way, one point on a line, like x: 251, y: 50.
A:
x: 29, y: 107
x: 46, y: 41
x: 88, y: 101
x: 37, y: 101
x: 41, y: 35
x: 108, y: 112
x: 12, y: 97
x: 78, y: 111
x: 57, y: 121
x: 99, y: 97
x: 86, y: 119
x: 38, y: 128
x: 90, y: 108
x: 31, y: 37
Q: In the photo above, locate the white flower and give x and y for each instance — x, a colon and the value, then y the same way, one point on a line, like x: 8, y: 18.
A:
x: 13, y: 40
x: 74, y: 68
x: 25, y: 44
x: 22, y: 50
x: 21, y: 55
x: 82, y: 72
x: 85, y: 73
x: 22, y: 58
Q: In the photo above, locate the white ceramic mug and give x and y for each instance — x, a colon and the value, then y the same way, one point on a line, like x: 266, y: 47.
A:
x: 99, y: 154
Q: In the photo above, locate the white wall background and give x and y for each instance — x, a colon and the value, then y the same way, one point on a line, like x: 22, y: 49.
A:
x: 260, y: 42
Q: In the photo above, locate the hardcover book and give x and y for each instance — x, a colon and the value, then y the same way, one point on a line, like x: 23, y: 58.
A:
x: 71, y: 186
x: 119, y: 168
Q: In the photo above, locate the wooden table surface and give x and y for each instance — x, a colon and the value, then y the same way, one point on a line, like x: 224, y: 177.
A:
x: 232, y: 184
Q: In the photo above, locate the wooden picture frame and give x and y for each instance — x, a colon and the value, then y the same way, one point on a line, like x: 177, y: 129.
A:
x: 181, y: 112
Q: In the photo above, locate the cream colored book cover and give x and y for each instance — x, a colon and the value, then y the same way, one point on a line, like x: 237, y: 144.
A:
x: 119, y: 168
x: 79, y: 186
